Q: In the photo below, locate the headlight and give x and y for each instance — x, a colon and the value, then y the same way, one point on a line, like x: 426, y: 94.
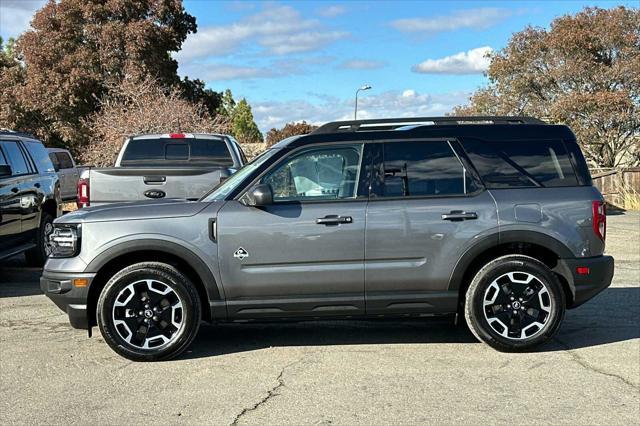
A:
x: 65, y: 240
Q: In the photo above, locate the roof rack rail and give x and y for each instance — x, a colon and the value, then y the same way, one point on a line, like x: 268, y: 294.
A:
x: 409, y: 123
x: 4, y: 131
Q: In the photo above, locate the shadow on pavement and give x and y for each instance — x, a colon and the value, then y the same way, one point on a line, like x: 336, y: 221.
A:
x: 612, y: 316
x: 17, y: 279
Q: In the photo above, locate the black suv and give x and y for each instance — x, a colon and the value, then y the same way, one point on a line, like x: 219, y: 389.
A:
x: 29, y: 197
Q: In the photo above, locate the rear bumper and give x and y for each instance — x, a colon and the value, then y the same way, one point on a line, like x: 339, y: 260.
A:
x: 585, y: 287
x: 73, y: 300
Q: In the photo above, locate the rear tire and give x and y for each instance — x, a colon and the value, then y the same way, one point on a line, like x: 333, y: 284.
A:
x: 149, y: 311
x: 39, y: 254
x: 514, y: 303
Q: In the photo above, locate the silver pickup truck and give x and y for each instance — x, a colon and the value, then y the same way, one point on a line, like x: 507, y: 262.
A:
x: 173, y: 165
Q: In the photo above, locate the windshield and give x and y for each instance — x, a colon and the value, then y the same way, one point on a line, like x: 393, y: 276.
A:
x: 221, y: 191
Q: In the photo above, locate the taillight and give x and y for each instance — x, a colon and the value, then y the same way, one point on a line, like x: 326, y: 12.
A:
x: 83, y: 193
x: 600, y: 219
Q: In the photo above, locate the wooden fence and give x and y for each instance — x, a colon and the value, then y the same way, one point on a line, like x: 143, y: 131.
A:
x: 612, y: 183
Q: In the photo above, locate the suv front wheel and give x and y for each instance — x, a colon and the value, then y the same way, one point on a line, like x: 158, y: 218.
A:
x: 149, y: 311
x: 514, y: 303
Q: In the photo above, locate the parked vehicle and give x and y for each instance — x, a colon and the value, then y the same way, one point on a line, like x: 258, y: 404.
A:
x: 68, y: 172
x: 176, y: 165
x: 29, y: 197
x: 494, y: 218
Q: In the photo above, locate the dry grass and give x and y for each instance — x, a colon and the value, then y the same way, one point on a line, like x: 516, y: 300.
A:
x: 629, y: 198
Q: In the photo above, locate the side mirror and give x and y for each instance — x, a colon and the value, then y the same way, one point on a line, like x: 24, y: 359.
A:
x: 5, y: 170
x: 260, y: 195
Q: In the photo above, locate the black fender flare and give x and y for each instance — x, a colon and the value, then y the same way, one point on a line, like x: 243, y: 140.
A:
x: 193, y: 260
x: 494, y: 240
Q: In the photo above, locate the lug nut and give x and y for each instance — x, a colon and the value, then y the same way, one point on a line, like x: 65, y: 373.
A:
x: 146, y: 306
x: 146, y: 320
x: 144, y: 299
x: 515, y: 312
x: 155, y: 318
x: 140, y: 313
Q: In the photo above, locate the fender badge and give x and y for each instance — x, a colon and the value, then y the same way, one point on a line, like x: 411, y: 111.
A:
x: 240, y: 253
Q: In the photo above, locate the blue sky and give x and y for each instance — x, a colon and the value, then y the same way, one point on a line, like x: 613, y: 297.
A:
x: 303, y: 60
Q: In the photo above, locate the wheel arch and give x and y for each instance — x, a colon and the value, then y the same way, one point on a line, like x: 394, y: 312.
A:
x: 107, y: 263
x: 540, y: 246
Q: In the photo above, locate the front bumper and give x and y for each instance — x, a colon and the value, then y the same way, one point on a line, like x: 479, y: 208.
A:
x: 585, y: 287
x: 58, y: 286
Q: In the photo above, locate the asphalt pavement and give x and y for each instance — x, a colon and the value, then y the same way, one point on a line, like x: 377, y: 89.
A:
x: 367, y: 372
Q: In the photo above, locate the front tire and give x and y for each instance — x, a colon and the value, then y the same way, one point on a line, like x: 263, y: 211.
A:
x: 149, y: 311
x: 39, y: 254
x: 514, y: 303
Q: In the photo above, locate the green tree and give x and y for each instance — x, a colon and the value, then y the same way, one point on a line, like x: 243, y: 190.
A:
x: 227, y: 104
x: 582, y: 71
x: 243, y: 126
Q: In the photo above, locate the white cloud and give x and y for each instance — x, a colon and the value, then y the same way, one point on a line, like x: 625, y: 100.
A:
x: 15, y: 15
x: 332, y: 11
x: 278, y: 30
x: 408, y: 103
x: 474, y: 61
x: 362, y: 64
x: 478, y: 19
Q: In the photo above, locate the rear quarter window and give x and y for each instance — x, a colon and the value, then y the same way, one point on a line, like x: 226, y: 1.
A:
x: 521, y: 163
x: 40, y: 156
x: 176, y: 153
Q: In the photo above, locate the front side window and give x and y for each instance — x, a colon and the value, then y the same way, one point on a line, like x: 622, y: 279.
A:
x: 16, y: 159
x: 329, y: 173
x: 424, y: 169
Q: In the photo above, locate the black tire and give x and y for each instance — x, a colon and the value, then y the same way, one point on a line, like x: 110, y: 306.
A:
x: 530, y: 320
x: 130, y: 281
x: 39, y: 254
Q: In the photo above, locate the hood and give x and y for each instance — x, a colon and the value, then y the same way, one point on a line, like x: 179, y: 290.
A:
x: 151, y: 209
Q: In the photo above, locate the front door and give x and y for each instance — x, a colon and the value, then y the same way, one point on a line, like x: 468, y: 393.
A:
x: 12, y: 196
x: 302, y: 256
x: 426, y: 212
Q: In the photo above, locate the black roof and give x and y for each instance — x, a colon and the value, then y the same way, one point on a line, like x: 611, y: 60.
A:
x: 484, y: 128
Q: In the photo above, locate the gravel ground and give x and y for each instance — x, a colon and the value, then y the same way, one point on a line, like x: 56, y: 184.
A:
x: 397, y: 372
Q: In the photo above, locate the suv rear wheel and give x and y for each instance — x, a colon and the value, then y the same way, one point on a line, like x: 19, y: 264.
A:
x: 149, y: 312
x: 514, y: 303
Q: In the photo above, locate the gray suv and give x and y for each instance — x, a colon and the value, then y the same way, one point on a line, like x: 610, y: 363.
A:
x: 493, y: 218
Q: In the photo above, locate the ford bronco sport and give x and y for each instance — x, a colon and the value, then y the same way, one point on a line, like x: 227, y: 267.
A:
x: 495, y: 218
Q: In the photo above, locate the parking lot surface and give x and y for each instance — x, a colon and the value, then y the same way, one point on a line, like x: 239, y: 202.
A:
x: 373, y: 372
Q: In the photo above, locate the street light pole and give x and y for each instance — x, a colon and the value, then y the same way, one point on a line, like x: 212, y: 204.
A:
x: 355, y: 112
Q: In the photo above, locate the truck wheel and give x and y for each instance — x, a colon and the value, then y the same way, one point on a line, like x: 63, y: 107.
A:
x: 514, y: 303
x: 149, y: 312
x: 39, y: 254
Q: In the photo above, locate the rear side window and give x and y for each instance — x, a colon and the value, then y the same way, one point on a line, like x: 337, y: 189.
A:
x: 14, y: 154
x: 54, y: 159
x: 64, y: 160
x: 176, y: 153
x: 40, y: 156
x: 517, y: 164
x: 424, y: 169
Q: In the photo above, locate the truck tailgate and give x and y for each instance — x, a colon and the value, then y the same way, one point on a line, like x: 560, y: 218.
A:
x: 118, y: 184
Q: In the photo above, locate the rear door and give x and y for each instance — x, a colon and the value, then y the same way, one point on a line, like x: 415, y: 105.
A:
x: 304, y: 254
x: 427, y: 207
x: 68, y: 175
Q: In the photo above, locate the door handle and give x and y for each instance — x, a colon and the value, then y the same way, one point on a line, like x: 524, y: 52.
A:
x: 459, y: 215
x: 37, y: 184
x: 154, y: 179
x: 334, y: 220
x: 15, y: 190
